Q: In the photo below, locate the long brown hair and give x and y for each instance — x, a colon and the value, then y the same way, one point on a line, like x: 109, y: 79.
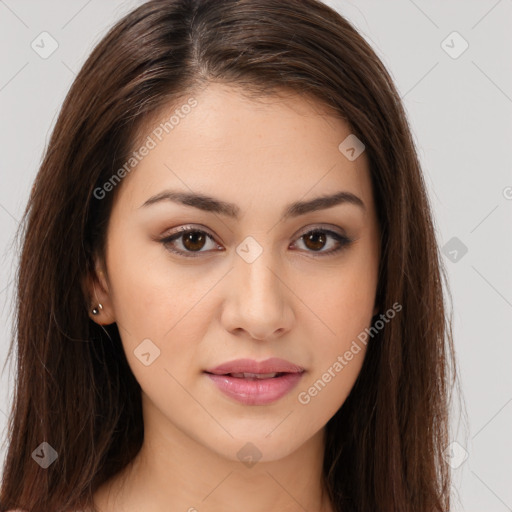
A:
x: 74, y: 388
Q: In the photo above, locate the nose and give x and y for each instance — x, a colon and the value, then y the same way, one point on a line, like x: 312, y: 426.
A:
x: 259, y: 300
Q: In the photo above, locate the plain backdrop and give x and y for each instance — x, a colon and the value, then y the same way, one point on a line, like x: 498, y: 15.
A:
x: 451, y: 62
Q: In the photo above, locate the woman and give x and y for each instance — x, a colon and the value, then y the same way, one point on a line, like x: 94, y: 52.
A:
x: 229, y: 292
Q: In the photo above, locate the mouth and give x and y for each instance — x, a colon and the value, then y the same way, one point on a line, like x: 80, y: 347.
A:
x: 255, y: 388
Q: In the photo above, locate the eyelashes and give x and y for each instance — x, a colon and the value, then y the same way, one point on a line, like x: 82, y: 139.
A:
x: 191, y: 238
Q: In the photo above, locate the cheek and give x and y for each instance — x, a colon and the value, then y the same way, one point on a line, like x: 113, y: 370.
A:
x: 160, y: 332
x: 320, y: 397
x: 149, y: 295
x: 338, y: 354
x: 341, y: 309
x: 341, y: 302
x: 161, y: 310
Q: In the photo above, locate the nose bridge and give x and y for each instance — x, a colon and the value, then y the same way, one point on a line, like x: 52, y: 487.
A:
x: 260, y: 307
x: 261, y: 286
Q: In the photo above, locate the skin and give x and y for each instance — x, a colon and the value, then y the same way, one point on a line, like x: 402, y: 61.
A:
x: 292, y: 302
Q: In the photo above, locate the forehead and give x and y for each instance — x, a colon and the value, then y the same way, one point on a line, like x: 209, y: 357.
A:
x: 274, y: 148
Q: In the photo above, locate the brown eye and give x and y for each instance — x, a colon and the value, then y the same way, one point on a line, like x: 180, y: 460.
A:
x: 193, y: 240
x: 189, y: 241
x: 317, y: 239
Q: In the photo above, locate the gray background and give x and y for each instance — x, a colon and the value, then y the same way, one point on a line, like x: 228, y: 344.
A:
x: 460, y: 110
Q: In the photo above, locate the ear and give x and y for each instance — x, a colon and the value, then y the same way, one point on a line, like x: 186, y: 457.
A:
x: 96, y: 288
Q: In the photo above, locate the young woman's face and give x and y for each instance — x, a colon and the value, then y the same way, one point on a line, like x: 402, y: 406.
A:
x: 241, y: 273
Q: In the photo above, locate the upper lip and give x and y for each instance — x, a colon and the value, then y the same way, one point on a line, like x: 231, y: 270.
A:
x: 272, y: 365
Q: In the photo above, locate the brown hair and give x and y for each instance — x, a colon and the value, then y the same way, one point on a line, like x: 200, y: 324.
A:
x: 74, y: 388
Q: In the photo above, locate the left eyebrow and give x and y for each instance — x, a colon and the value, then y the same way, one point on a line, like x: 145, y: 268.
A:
x: 214, y: 205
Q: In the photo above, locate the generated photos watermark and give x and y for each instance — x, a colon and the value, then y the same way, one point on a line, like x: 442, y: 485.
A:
x: 304, y: 397
x: 150, y: 143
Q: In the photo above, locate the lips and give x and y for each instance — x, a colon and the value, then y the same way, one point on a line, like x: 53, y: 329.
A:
x: 251, y: 369
x: 256, y: 383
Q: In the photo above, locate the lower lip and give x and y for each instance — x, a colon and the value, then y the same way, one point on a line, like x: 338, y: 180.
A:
x: 257, y: 391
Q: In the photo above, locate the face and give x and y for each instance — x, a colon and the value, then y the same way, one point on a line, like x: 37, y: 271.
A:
x: 259, y: 270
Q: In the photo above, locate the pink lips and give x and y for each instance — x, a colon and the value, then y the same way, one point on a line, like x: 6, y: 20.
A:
x: 251, y: 390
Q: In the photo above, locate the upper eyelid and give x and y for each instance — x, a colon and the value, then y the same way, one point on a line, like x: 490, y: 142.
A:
x: 186, y: 229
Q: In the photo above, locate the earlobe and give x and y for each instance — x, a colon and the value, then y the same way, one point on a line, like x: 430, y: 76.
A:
x: 96, y: 289
x: 101, y: 315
